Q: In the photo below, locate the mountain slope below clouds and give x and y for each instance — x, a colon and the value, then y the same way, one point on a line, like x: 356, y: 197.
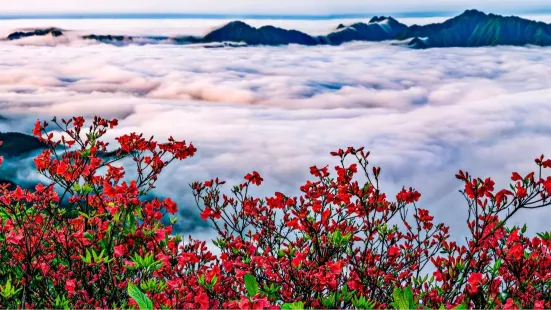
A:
x: 15, y: 144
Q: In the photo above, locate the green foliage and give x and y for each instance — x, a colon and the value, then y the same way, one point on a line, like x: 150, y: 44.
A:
x: 153, y: 285
x: 346, y: 295
x: 139, y: 297
x: 545, y: 236
x: 203, y: 283
x: 271, y: 290
x: 403, y: 299
x: 329, y: 301
x: 8, y: 290
x: 93, y: 257
x: 338, y: 239
x: 61, y: 303
x: 146, y: 263
x: 299, y: 305
x: 251, y: 285
x: 362, y: 303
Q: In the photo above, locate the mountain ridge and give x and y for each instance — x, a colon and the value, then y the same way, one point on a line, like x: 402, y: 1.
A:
x: 472, y: 28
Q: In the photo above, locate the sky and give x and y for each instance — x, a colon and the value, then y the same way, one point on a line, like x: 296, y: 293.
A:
x: 283, y: 7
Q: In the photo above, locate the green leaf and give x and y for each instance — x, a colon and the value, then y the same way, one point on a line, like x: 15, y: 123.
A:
x: 408, y: 296
x: 86, y: 153
x: 251, y: 285
x: 280, y: 253
x: 139, y: 297
x: 87, y: 189
x: 460, y: 307
x: 403, y: 299
x: 497, y: 264
x: 89, y: 236
x: 299, y: 305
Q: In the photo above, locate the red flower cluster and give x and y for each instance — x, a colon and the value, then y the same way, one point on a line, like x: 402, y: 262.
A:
x: 89, y: 238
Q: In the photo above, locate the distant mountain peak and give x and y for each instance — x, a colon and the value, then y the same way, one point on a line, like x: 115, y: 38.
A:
x: 340, y: 26
x: 238, y: 31
x: 377, y: 19
x: 473, y: 13
x: 237, y: 24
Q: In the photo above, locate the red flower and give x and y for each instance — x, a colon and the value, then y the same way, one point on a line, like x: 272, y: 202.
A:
x: 547, y: 185
x: 62, y: 168
x: 521, y: 191
x: 298, y: 259
x: 170, y: 206
x: 37, y: 129
x: 539, y: 304
x: 78, y: 121
x: 254, y: 178
x: 119, y: 250
x: 207, y: 213
x: 203, y: 300
x: 325, y: 216
x: 393, y: 251
x: 294, y: 223
x: 314, y: 171
x: 336, y: 267
x: 510, y: 305
x: 475, y: 279
x: 14, y: 237
x: 70, y: 285
x: 516, y: 177
x: 112, y: 123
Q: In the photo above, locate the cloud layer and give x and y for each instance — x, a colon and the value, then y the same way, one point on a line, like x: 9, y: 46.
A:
x: 278, y: 110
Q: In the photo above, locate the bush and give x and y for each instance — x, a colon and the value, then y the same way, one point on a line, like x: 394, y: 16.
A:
x: 89, y: 238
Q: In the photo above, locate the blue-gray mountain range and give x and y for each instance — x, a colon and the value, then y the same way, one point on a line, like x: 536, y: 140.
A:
x: 469, y: 29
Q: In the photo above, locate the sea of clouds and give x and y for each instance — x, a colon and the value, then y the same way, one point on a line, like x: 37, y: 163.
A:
x: 424, y: 114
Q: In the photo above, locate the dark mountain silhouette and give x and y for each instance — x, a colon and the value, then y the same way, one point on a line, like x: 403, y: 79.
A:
x: 474, y: 29
x: 107, y: 38
x: 267, y: 35
x: 378, y: 29
x: 185, y: 39
x: 469, y: 29
x: 15, y: 144
x: 38, y: 32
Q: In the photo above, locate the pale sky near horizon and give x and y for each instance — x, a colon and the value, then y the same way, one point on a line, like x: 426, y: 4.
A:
x: 290, y: 7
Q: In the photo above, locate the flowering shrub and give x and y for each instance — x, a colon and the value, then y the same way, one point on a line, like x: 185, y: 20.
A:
x: 89, y: 237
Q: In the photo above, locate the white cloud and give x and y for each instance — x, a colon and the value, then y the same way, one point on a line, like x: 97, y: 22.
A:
x: 278, y: 110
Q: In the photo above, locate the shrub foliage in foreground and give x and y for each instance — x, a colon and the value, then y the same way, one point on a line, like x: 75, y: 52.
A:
x: 89, y: 238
